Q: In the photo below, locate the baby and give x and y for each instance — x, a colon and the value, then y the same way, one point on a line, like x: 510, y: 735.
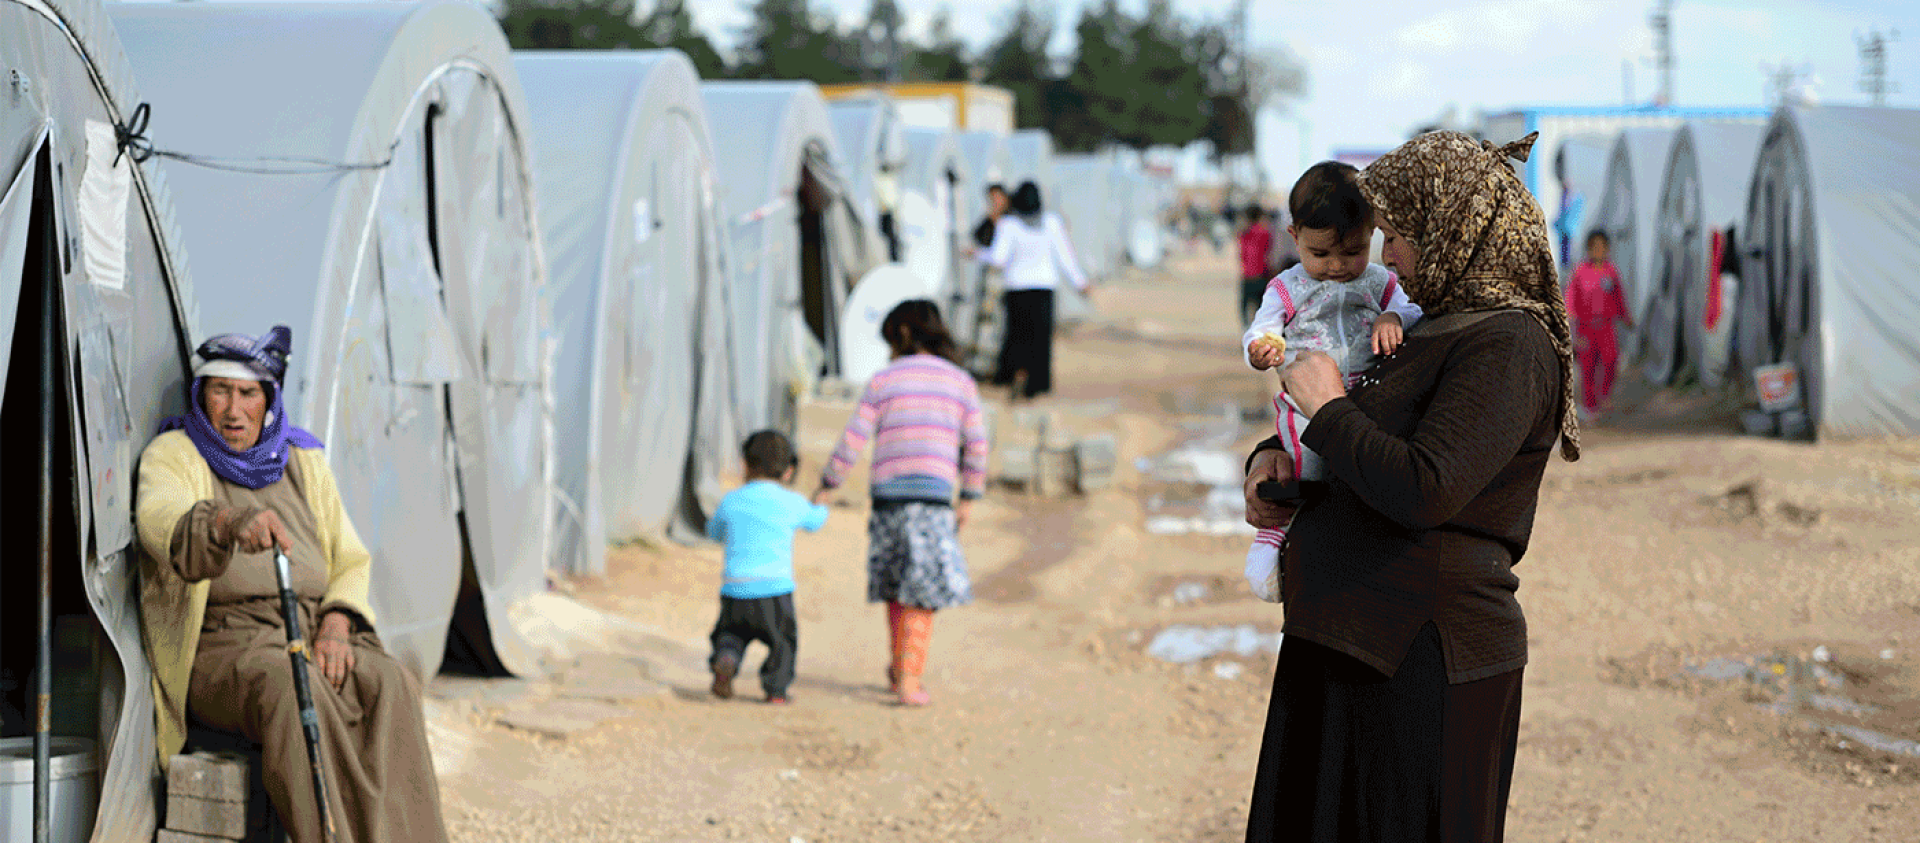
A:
x: 1333, y: 301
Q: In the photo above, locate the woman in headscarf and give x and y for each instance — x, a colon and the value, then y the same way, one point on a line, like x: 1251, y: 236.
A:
x: 1031, y: 250
x: 220, y: 489
x: 1396, y: 699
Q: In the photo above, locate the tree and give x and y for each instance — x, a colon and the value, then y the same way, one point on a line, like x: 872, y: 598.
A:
x: 1017, y: 61
x: 1169, y: 102
x: 570, y: 24
x: 670, y: 25
x: 944, y: 58
x: 782, y: 41
x: 1101, y: 83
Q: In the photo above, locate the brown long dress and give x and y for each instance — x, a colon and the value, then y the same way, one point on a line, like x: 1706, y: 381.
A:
x: 374, y: 743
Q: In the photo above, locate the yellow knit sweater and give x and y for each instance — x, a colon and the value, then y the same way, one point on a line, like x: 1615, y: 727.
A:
x: 173, y: 477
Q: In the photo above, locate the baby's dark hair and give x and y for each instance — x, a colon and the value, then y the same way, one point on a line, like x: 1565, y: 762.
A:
x: 769, y: 454
x: 914, y: 327
x: 1328, y: 196
x: 1599, y: 235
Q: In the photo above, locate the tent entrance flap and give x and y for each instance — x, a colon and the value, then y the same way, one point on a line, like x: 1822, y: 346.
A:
x: 49, y: 641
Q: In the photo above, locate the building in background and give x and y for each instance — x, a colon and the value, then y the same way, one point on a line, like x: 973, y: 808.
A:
x: 955, y: 106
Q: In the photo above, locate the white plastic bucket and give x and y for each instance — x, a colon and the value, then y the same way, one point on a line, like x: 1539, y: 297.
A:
x: 76, y: 789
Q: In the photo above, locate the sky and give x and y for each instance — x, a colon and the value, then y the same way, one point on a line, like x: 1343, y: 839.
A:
x: 1377, y: 69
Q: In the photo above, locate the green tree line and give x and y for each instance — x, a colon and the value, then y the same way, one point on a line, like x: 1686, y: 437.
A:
x: 1138, y: 80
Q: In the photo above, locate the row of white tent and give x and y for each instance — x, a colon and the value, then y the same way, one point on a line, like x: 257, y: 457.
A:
x: 1780, y: 245
x: 537, y: 298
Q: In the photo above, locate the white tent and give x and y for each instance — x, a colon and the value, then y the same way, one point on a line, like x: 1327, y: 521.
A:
x: 1626, y: 213
x: 1143, y: 235
x: 988, y: 159
x: 1580, y: 165
x: 1089, y: 203
x: 1833, y: 235
x: 796, y: 243
x: 630, y: 220
x: 89, y: 233
x: 873, y: 150
x: 1030, y: 158
x: 396, y: 236
x: 938, y: 201
x: 1688, y: 321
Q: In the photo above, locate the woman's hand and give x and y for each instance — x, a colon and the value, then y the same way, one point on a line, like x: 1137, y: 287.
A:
x: 1312, y: 380
x: 332, y: 654
x: 1270, y: 464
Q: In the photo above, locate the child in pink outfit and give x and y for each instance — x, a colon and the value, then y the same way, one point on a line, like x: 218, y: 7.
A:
x: 1333, y: 301
x: 1594, y: 302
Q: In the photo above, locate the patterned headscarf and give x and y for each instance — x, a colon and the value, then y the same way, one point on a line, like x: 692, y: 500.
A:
x: 241, y: 357
x: 1481, y: 236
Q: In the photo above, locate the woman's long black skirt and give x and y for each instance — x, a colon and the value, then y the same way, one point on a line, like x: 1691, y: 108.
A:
x: 1350, y: 755
x: 1027, y: 343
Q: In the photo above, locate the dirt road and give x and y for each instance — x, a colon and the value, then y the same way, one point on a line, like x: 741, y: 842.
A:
x: 1668, y: 559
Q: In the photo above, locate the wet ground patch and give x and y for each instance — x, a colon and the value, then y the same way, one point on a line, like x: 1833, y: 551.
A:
x: 1844, y: 711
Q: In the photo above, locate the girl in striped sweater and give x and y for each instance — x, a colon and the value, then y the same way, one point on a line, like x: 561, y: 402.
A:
x: 929, y: 442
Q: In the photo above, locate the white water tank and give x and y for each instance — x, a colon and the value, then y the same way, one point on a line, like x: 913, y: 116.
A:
x: 75, y: 793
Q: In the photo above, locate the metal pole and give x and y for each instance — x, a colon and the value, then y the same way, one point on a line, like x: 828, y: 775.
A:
x: 43, y: 692
x: 303, y: 688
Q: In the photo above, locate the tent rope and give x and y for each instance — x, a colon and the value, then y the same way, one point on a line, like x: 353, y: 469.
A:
x: 132, y: 136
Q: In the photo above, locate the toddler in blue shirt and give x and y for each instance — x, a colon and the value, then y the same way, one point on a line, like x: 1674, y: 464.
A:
x: 756, y: 523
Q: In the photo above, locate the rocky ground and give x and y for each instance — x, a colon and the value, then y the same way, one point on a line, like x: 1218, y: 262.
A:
x: 1725, y: 645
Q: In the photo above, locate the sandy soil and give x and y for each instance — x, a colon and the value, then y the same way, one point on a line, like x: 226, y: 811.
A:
x: 1050, y: 722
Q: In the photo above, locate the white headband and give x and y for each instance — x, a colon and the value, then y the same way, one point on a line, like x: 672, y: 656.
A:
x: 232, y: 369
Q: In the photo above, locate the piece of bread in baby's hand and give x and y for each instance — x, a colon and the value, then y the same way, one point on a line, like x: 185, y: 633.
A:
x: 1274, y: 341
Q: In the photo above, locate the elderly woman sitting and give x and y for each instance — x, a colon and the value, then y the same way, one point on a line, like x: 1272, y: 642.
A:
x: 219, y: 490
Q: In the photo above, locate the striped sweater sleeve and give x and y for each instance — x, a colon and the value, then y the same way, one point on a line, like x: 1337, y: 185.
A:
x: 973, y: 445
x: 853, y: 441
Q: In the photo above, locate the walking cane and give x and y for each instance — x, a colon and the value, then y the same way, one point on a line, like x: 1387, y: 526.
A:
x: 302, y: 687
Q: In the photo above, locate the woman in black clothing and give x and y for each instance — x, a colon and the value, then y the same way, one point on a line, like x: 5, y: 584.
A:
x: 1396, y: 700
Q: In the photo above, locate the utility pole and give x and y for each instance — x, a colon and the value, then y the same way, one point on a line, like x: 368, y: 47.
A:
x: 1780, y: 80
x: 1873, y: 65
x: 1662, y: 22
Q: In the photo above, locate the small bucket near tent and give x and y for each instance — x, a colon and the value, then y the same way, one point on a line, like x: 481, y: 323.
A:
x: 74, y: 790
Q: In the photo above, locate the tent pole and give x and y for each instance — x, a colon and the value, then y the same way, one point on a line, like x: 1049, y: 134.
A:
x: 43, y: 692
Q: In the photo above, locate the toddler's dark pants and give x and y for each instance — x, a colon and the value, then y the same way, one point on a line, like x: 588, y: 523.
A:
x: 768, y: 620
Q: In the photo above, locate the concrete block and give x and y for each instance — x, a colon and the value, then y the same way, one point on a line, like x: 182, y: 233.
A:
x: 1054, y: 472
x: 1095, y: 459
x: 168, y: 835
x: 212, y: 776
x: 207, y: 816
x: 1017, y: 465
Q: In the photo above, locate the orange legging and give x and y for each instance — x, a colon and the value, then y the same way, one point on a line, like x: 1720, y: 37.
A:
x: 910, y: 630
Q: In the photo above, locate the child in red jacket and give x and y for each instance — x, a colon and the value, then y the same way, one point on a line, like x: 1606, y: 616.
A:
x: 1594, y: 302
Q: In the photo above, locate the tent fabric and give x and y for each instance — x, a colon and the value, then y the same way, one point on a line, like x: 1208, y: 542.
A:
x: 628, y: 215
x: 779, y: 140
x: 939, y: 199
x: 1704, y: 193
x: 1581, y: 163
x: 1086, y: 199
x: 1030, y: 157
x: 1626, y: 212
x: 988, y: 160
x: 1833, y: 234
x: 873, y: 150
x: 413, y: 277
x: 71, y: 83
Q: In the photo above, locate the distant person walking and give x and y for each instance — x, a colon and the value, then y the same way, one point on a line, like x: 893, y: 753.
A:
x: 1594, y: 302
x: 1031, y: 249
x: 1256, y: 244
x: 756, y: 523
x: 922, y: 413
x: 996, y: 208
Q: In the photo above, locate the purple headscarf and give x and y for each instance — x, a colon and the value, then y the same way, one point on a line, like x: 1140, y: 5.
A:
x: 241, y: 357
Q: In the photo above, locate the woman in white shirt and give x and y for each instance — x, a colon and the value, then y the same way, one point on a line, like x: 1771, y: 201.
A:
x: 1031, y: 250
